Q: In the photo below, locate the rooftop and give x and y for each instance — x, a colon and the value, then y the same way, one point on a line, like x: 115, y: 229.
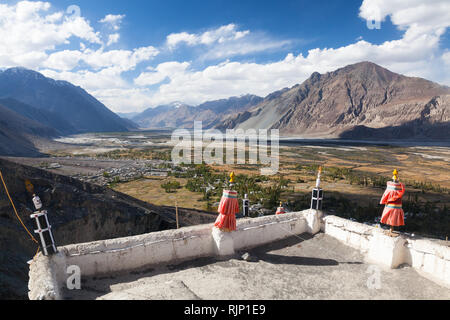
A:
x: 299, y: 267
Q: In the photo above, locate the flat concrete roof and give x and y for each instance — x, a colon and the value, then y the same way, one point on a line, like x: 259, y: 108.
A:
x: 297, y: 268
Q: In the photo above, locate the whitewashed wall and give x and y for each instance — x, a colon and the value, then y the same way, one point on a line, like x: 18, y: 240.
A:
x: 429, y: 257
x: 159, y: 248
x: 48, y: 274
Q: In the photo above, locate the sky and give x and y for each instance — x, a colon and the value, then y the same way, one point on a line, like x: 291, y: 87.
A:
x: 136, y: 54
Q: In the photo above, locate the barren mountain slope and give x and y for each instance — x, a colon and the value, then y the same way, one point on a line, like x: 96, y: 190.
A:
x: 363, y: 94
x: 184, y: 116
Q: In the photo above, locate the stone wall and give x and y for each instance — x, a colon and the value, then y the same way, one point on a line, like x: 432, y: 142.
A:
x: 431, y: 258
x: 48, y: 274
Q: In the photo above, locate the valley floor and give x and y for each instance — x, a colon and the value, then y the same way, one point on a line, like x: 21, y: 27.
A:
x: 138, y: 164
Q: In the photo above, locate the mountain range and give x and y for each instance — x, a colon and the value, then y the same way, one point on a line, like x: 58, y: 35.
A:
x: 34, y: 106
x: 360, y: 101
x: 178, y: 114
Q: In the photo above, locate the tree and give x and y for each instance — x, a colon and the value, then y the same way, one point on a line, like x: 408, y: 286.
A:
x: 171, y: 186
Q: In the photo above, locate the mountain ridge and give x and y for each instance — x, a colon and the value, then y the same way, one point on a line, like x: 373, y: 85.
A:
x: 183, y: 115
x: 34, y: 107
x: 72, y: 103
x: 332, y: 104
x: 16, y: 132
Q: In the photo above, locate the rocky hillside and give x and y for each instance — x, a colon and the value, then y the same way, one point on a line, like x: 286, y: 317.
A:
x: 357, y: 101
x: 79, y: 212
x: 17, y: 132
x: 180, y: 115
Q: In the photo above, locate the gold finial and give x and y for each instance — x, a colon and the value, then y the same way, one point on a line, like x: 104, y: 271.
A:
x: 320, y: 169
x: 395, y: 173
x: 281, y: 204
x: 232, y: 177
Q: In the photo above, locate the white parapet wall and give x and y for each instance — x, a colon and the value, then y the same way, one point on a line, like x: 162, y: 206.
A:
x: 48, y: 275
x: 431, y: 258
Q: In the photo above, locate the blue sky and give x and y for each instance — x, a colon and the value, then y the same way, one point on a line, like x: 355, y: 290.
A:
x: 137, y: 54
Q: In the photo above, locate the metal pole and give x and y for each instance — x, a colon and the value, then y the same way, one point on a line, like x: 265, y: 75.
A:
x: 178, y: 221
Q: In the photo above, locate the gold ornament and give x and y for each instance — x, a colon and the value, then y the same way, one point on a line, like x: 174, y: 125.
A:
x: 395, y: 177
x: 232, y: 177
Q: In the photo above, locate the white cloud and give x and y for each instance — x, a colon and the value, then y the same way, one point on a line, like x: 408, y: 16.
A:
x: 124, y: 60
x: 113, y: 38
x: 446, y: 58
x: 63, y: 60
x: 125, y: 99
x: 176, y: 38
x: 92, y: 81
x: 417, y: 53
x: 244, y: 47
x: 219, y: 35
x: 113, y: 21
x: 159, y: 74
x: 28, y: 32
x: 225, y: 42
x: 429, y: 16
x: 34, y: 36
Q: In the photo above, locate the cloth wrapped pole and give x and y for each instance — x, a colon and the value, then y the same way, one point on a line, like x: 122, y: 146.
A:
x: 280, y: 210
x: 228, y: 208
x: 393, y: 213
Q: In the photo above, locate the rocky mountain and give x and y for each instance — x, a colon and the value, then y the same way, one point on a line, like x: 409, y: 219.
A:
x: 79, y: 212
x: 127, y: 115
x: 180, y: 115
x: 47, y: 118
x: 77, y: 108
x: 17, y: 133
x: 362, y: 100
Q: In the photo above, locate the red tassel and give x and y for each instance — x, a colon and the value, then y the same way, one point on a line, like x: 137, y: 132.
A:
x: 393, y: 214
x: 393, y: 217
x: 393, y: 193
x: 228, y: 208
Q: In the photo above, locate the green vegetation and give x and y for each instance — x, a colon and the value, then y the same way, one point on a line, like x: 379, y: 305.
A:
x: 201, y: 179
x: 44, y: 165
x: 344, y: 169
x: 171, y: 186
x: 115, y: 182
x: 135, y: 154
x: 424, y: 218
x: 365, y: 179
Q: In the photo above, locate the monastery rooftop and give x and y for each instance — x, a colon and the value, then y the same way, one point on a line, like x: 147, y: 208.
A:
x: 296, y: 268
x: 294, y: 256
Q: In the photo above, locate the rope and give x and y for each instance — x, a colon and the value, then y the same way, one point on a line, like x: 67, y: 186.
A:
x: 15, y: 211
